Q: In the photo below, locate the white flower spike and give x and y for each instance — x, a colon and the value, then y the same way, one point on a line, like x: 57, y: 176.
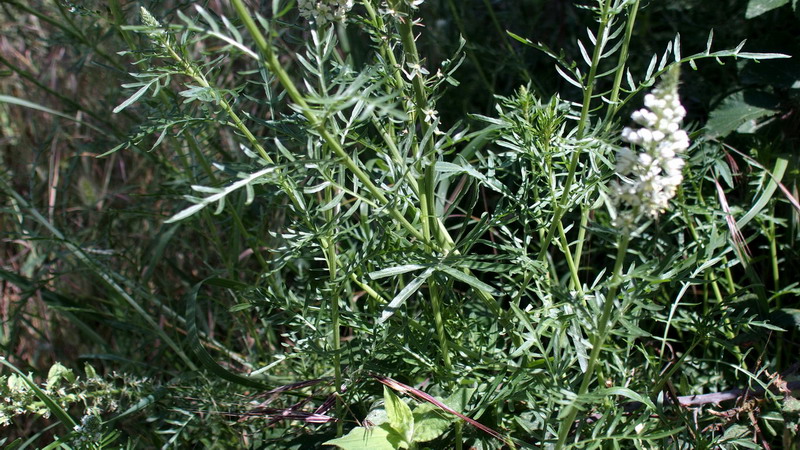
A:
x: 651, y: 171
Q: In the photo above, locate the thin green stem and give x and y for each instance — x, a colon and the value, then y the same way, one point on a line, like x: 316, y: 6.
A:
x: 274, y: 66
x: 581, y: 240
x: 597, y: 342
x: 623, y: 58
x: 573, y: 271
x: 588, y: 90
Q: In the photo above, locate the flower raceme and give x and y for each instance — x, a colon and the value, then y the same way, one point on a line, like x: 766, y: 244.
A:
x: 324, y: 11
x: 651, y: 171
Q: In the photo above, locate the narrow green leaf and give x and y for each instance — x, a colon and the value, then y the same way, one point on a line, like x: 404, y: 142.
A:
x: 393, y: 271
x: 194, y: 338
x: 407, y: 292
x: 775, y: 177
x: 468, y: 279
x: 132, y: 99
x: 25, y: 103
x: 625, y: 392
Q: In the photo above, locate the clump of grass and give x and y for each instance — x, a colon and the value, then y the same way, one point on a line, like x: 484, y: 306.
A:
x: 311, y: 226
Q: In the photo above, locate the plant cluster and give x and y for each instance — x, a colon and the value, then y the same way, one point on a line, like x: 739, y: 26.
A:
x: 321, y: 240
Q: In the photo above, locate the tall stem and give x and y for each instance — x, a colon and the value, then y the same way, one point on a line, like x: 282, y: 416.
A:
x: 623, y: 58
x: 274, y: 66
x: 588, y: 90
x: 598, y: 341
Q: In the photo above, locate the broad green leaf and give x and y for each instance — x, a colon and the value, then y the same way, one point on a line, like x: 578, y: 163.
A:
x: 373, y: 438
x: 430, y: 422
x: 400, y: 417
x: 757, y: 7
x: 739, y: 108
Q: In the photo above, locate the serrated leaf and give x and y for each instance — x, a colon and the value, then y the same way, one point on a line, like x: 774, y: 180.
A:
x: 373, y: 438
x: 739, y: 108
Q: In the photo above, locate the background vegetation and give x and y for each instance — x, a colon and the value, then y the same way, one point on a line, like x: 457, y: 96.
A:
x: 261, y: 320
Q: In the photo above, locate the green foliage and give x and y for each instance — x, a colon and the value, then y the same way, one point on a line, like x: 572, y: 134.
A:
x: 402, y: 428
x: 242, y: 220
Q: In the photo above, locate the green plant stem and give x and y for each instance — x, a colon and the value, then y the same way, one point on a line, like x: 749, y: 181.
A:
x: 274, y: 66
x: 573, y: 271
x: 198, y: 76
x: 580, y: 241
x: 427, y: 188
x: 561, y: 205
x: 597, y: 342
x: 623, y: 58
x: 431, y: 229
x: 386, y: 49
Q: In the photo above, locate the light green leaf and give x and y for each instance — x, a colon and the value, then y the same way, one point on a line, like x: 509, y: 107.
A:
x: 625, y: 392
x: 373, y: 438
x: 400, y: 417
x: 430, y: 422
x: 775, y: 177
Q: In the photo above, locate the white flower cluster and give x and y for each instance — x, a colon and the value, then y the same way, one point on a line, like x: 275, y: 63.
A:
x: 324, y: 11
x: 651, y: 176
